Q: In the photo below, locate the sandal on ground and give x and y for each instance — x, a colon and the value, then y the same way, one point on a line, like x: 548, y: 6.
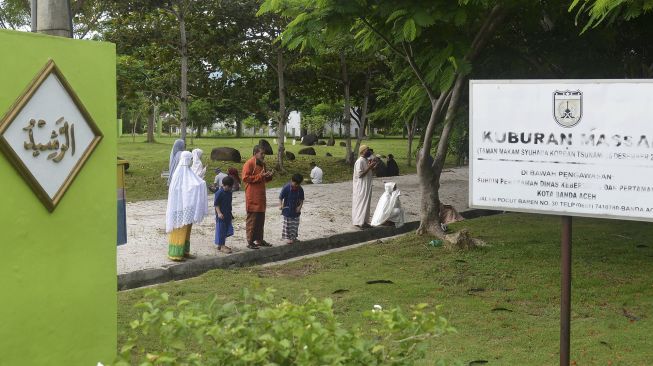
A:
x: 264, y: 244
x: 289, y: 242
x: 177, y: 259
x: 224, y: 249
x: 252, y: 246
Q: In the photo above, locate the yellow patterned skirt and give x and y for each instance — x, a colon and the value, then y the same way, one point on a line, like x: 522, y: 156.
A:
x: 179, y: 243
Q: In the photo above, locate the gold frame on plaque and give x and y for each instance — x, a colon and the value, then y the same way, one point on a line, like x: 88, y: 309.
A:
x: 19, y: 104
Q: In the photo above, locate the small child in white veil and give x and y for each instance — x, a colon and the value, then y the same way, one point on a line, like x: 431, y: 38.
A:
x: 197, y: 167
x: 389, y: 210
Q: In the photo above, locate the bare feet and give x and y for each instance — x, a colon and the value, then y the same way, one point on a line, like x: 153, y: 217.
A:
x: 224, y: 249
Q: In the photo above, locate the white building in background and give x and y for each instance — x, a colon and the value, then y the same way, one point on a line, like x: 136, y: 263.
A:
x: 293, y: 125
x: 338, y: 128
x: 293, y: 128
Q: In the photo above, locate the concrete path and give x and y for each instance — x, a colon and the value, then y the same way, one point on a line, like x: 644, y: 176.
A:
x: 326, y: 212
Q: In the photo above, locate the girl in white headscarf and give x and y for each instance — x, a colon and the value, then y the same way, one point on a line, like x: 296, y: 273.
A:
x: 389, y: 208
x: 187, y: 205
x: 197, y: 167
x: 177, y: 148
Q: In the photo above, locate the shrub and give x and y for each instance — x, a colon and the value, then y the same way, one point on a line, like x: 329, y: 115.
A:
x: 260, y: 330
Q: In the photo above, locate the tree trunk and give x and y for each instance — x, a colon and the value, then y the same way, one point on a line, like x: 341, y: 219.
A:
x: 53, y: 17
x: 281, y: 127
x: 183, y: 95
x: 134, y: 129
x: 410, y: 129
x: 363, y: 116
x: 430, y: 172
x: 150, y: 124
x: 239, y: 128
x: 346, y: 112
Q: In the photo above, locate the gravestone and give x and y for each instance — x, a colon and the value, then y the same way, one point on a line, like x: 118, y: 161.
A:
x: 343, y: 144
x: 307, y: 151
x: 58, y: 162
x: 309, y: 140
x: 290, y: 156
x: 225, y: 154
x: 322, y: 143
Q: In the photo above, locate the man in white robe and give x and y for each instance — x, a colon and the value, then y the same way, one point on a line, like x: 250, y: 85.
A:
x: 362, y: 193
x: 389, y: 210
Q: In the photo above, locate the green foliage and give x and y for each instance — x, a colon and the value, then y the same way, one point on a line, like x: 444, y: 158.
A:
x: 610, y: 10
x: 262, y: 330
x: 314, y: 123
x: 252, y: 122
x: 14, y: 14
x: 200, y: 112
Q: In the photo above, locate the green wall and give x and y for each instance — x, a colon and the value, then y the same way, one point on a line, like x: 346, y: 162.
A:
x: 58, y: 271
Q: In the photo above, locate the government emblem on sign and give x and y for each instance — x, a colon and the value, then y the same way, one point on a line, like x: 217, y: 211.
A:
x: 567, y: 107
x: 48, y: 135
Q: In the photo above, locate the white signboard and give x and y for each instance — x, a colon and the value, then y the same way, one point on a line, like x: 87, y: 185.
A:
x: 567, y: 147
x: 48, y: 135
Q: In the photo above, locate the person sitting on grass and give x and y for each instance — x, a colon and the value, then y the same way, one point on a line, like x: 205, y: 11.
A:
x: 223, y: 215
x: 316, y: 174
x: 291, y: 200
x: 392, y: 167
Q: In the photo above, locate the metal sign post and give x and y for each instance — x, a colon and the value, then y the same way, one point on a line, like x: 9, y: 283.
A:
x: 565, y: 290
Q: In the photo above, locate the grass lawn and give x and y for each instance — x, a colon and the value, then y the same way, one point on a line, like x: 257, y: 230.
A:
x: 147, y: 161
x: 503, y: 299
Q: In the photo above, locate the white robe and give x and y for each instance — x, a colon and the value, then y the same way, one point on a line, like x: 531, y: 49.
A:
x: 389, y: 207
x: 187, y: 196
x: 362, y: 194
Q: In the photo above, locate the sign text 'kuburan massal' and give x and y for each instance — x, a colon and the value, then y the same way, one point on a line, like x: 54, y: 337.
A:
x: 567, y: 147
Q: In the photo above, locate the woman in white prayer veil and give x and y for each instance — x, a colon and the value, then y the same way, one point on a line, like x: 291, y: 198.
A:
x: 197, y: 167
x: 389, y: 208
x: 187, y: 205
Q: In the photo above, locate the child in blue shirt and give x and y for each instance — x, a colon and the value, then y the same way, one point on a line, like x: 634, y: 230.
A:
x: 223, y: 215
x: 291, y: 200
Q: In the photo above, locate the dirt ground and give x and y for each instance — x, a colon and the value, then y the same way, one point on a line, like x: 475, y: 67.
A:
x: 326, y: 211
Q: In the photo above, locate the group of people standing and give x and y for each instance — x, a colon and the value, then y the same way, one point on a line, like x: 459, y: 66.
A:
x: 188, y: 201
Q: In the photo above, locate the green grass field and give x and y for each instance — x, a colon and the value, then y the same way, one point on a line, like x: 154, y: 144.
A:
x: 503, y: 299
x: 147, y: 161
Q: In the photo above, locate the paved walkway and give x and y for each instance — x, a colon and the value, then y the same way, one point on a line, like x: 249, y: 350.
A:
x: 327, y: 211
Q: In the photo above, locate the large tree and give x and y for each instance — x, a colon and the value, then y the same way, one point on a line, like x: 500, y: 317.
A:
x: 438, y: 42
x: 330, y: 45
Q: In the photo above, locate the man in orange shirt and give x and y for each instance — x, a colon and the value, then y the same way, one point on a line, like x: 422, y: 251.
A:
x: 255, y: 175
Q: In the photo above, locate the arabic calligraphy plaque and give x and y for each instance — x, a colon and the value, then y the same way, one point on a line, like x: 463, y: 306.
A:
x: 48, y: 135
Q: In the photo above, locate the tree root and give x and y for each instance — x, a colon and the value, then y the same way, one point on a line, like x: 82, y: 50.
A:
x: 462, y: 240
